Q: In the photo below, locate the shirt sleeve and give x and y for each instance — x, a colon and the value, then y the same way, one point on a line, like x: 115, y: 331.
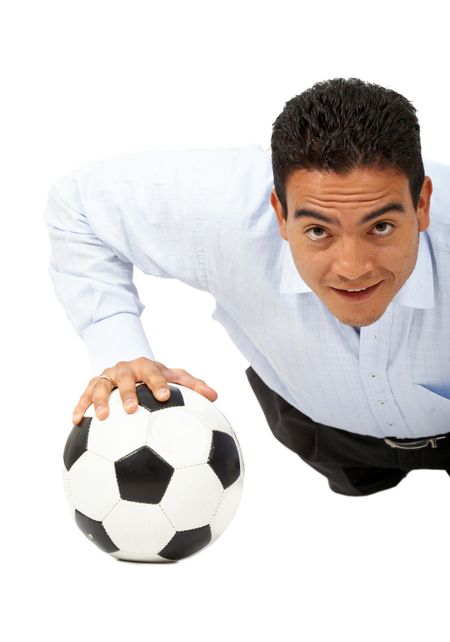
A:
x: 141, y: 209
x: 153, y: 210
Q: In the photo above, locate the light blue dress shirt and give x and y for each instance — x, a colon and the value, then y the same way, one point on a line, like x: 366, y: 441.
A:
x: 203, y: 216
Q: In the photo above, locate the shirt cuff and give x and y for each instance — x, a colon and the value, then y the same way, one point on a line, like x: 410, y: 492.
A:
x: 120, y: 337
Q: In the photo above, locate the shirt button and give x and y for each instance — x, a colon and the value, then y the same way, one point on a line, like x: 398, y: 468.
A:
x: 372, y: 375
x: 380, y: 402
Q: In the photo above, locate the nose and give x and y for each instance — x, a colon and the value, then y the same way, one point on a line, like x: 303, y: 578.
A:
x: 352, y: 260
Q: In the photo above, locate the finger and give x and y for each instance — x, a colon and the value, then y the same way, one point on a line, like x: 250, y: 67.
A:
x: 100, y: 397
x: 184, y: 378
x: 157, y: 383
x: 86, y: 398
x: 83, y: 403
x: 126, y: 382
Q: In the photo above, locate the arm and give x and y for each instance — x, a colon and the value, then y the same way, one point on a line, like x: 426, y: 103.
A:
x: 146, y: 209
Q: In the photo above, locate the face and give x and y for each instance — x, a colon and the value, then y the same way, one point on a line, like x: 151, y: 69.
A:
x: 335, y: 249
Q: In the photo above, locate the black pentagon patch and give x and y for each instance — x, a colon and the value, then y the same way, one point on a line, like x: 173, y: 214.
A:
x: 185, y: 543
x: 224, y: 458
x: 95, y: 531
x: 147, y: 400
x: 143, y: 476
x: 76, y: 443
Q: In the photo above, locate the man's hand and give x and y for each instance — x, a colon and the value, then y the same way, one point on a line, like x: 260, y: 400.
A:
x: 125, y: 375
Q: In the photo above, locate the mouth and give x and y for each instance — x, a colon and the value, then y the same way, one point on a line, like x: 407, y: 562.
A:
x: 355, y: 297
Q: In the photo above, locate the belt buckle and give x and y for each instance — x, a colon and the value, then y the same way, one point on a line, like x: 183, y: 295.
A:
x: 424, y: 442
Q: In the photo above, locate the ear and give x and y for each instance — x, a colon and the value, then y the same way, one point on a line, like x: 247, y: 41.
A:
x: 278, y: 209
x: 423, y: 205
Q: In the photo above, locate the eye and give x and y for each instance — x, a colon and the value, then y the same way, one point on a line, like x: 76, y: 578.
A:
x: 383, y: 223
x: 317, y: 229
x: 314, y: 229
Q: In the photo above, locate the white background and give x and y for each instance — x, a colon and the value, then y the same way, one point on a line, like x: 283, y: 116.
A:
x: 85, y: 80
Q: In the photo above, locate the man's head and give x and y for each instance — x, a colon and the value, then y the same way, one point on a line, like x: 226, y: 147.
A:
x: 342, y: 150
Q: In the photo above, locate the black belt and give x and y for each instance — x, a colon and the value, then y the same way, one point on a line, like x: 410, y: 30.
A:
x: 420, y: 443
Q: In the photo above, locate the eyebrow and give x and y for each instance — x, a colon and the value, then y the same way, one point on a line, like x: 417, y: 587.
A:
x: 307, y: 213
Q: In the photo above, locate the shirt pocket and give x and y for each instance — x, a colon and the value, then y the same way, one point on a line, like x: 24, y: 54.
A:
x: 436, y: 407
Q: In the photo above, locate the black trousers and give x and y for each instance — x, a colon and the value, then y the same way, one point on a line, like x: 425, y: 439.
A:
x: 354, y: 464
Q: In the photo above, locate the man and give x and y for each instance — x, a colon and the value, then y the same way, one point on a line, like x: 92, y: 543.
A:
x: 340, y: 302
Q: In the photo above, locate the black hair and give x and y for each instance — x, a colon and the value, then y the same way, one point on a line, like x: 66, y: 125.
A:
x: 341, y: 124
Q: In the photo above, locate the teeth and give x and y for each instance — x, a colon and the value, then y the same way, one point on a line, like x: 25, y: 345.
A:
x: 362, y: 289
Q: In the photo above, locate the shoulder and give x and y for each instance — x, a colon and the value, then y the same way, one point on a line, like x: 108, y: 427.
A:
x: 439, y: 228
x: 440, y: 197
x: 205, y: 169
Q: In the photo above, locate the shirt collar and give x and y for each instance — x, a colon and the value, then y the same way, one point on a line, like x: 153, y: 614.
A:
x: 416, y: 292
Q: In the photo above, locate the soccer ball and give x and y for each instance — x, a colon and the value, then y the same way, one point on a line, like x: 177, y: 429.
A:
x: 156, y: 485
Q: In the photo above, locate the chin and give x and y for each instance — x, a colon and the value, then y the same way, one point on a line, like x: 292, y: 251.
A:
x: 361, y: 322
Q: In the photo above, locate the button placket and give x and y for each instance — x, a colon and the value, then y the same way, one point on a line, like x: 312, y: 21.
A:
x: 374, y: 353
